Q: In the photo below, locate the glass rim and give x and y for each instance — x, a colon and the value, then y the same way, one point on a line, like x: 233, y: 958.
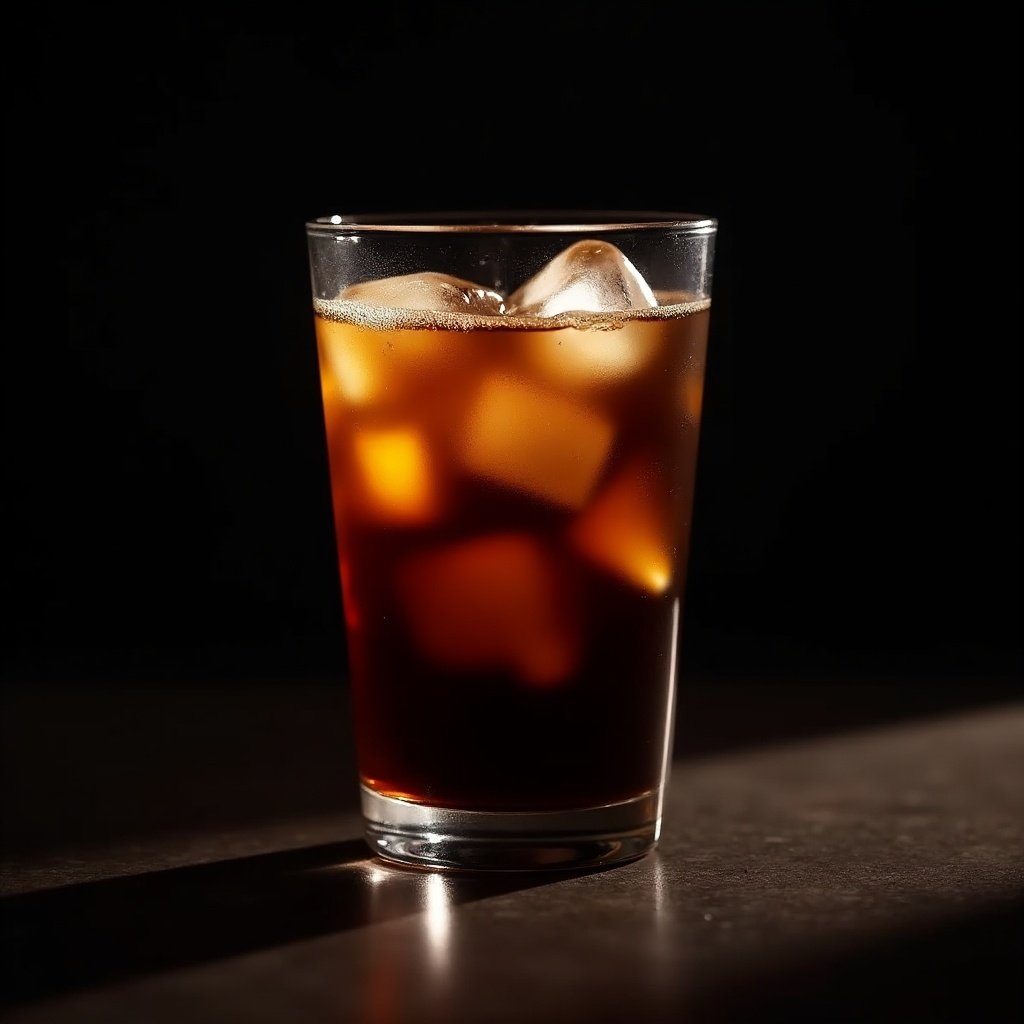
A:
x: 539, y: 221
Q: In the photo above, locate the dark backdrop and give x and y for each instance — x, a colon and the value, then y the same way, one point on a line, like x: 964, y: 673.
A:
x: 859, y: 482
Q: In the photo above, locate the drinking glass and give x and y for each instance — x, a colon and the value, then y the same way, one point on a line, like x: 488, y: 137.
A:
x: 512, y: 403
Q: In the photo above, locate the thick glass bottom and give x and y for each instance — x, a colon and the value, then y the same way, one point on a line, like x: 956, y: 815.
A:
x: 445, y: 838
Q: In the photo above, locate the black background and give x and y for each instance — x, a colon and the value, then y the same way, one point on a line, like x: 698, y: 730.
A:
x: 859, y: 481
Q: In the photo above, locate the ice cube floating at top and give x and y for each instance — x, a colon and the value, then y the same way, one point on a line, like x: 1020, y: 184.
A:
x: 587, y: 277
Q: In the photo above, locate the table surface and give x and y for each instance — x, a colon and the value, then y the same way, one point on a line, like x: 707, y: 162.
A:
x: 871, y: 875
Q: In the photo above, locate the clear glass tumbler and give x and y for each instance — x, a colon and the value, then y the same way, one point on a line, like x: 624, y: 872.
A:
x: 512, y: 404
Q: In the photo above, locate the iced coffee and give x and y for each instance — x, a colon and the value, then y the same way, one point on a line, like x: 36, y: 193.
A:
x: 512, y: 475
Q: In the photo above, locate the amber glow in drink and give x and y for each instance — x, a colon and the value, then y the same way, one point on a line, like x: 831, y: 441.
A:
x: 512, y: 500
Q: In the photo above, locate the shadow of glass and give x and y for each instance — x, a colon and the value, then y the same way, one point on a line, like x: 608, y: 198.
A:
x: 79, y: 936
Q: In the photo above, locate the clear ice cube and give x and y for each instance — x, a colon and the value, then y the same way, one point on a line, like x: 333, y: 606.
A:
x: 588, y: 277
x: 396, y: 484
x: 348, y: 363
x: 626, y: 531
x: 593, y: 357
x: 535, y: 441
x: 368, y: 367
x: 428, y: 290
x: 492, y: 602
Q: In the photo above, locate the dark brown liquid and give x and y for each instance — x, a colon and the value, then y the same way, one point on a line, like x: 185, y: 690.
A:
x: 513, y: 510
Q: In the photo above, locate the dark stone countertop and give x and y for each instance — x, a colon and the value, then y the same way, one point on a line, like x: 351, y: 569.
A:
x: 872, y: 875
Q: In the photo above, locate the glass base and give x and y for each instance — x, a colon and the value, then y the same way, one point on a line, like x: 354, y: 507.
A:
x: 442, y: 837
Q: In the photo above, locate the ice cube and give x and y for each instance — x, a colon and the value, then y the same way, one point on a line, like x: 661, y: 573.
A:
x: 492, y: 602
x: 330, y: 394
x: 593, y: 357
x: 626, y: 531
x: 588, y: 277
x: 428, y: 290
x: 368, y: 366
x: 393, y: 466
x: 550, y: 657
x: 347, y: 361
x: 535, y: 441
